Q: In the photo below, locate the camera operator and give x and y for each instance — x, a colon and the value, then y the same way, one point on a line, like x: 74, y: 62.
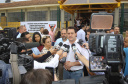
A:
x: 73, y: 69
x: 126, y: 53
x: 36, y: 52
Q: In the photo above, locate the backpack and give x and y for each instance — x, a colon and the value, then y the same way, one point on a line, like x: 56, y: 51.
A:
x: 4, y: 75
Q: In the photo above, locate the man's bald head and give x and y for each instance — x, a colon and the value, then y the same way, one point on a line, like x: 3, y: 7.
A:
x: 22, y: 29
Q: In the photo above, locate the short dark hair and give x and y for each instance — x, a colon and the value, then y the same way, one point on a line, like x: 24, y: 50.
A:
x: 51, y: 26
x: 37, y: 76
x: 22, y: 40
x: 33, y: 38
x: 83, y: 25
x: 24, y: 34
x: 71, y: 27
x: 45, y: 31
x: 18, y: 28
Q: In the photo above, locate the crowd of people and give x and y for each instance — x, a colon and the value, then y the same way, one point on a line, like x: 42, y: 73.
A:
x: 46, y: 55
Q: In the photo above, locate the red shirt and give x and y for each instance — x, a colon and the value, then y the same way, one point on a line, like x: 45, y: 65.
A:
x: 40, y: 47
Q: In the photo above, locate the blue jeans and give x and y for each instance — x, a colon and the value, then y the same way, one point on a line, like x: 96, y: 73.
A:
x: 73, y: 75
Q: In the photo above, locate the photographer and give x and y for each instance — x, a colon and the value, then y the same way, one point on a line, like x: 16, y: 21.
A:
x: 36, y: 52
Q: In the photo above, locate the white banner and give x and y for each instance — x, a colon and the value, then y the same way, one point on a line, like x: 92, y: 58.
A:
x: 34, y: 26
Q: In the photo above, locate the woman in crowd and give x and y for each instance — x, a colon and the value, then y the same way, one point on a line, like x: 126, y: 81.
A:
x: 46, y: 41
x: 37, y: 38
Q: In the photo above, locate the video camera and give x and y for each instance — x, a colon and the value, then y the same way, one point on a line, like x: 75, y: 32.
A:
x: 10, y: 53
x: 107, y: 49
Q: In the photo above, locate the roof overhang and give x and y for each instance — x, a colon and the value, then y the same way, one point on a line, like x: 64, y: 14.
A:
x: 31, y: 6
x: 72, y: 6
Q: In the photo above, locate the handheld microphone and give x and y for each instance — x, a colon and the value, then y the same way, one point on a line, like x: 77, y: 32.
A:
x: 74, y: 49
x: 65, y: 48
x: 58, y: 46
x: 80, y: 42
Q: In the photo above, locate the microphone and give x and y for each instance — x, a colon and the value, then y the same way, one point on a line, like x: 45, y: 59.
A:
x: 31, y: 45
x: 74, y: 49
x: 58, y: 46
x: 27, y: 52
x: 80, y: 42
x: 65, y: 48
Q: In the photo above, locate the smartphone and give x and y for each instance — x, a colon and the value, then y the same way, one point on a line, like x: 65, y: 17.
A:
x: 51, y: 69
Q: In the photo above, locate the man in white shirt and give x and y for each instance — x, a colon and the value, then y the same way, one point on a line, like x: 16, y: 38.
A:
x: 41, y: 31
x: 81, y: 33
x: 73, y: 69
x: 22, y: 29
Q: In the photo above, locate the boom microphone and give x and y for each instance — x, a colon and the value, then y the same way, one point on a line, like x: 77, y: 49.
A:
x: 27, y: 52
x: 31, y: 45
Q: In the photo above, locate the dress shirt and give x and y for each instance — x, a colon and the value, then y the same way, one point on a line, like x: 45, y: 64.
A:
x: 35, y: 51
x: 19, y: 35
x: 53, y: 63
x: 58, y: 41
x: 70, y: 56
x: 81, y: 35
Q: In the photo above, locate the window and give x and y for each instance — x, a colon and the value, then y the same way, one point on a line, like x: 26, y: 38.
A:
x: 37, y: 16
x: 16, y: 16
x: 67, y: 16
x: 53, y: 15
